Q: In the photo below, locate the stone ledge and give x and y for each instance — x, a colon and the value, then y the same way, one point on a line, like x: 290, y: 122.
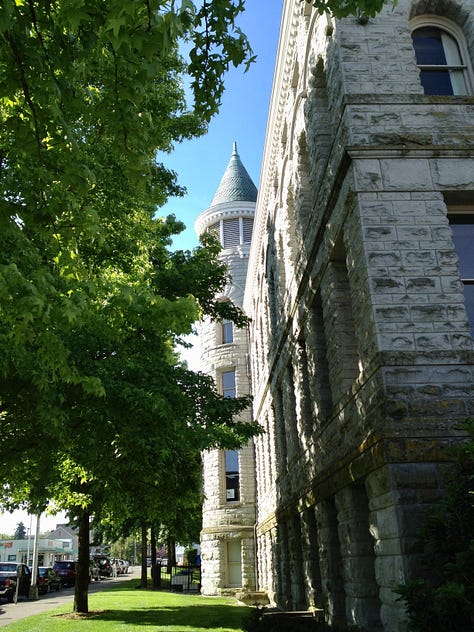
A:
x: 252, y: 598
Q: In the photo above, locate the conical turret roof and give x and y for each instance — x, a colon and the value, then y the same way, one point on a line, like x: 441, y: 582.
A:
x: 236, y: 184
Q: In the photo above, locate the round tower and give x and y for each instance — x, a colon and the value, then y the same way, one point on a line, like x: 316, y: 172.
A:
x: 227, y: 538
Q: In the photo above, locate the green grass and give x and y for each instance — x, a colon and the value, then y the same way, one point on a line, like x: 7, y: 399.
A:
x: 126, y: 609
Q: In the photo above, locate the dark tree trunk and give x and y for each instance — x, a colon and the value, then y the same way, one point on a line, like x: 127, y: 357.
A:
x: 143, y: 580
x: 81, y: 597
x: 155, y: 570
x: 171, y: 546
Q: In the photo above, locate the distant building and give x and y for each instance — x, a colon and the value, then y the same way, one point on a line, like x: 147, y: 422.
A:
x: 49, y: 550
x: 360, y: 291
x: 67, y: 531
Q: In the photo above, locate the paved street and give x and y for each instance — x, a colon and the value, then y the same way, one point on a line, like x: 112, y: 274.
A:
x: 10, y: 612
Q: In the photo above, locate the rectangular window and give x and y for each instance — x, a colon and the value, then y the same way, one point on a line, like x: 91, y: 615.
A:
x: 232, y: 478
x: 231, y: 230
x: 247, y: 226
x: 227, y: 331
x: 228, y: 383
x: 462, y: 225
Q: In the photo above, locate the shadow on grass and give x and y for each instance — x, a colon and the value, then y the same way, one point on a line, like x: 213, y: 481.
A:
x: 207, y: 617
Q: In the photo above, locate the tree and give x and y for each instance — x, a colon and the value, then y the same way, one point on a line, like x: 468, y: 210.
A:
x: 441, y: 595
x: 91, y: 301
x: 20, y: 532
x: 343, y: 8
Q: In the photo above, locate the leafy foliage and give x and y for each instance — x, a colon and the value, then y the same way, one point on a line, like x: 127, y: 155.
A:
x: 92, y: 394
x: 443, y: 598
x: 343, y: 8
x: 20, y: 532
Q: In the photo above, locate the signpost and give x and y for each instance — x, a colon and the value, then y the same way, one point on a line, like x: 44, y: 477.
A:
x: 34, y: 571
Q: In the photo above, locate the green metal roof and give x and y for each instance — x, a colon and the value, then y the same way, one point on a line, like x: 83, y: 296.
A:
x: 236, y: 184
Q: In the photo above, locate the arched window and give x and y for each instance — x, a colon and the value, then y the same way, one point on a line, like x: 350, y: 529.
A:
x: 441, y: 56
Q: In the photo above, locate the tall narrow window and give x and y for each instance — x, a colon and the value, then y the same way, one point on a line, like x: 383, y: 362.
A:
x: 232, y: 478
x: 462, y: 225
x: 443, y: 70
x: 227, y: 331
x: 247, y: 226
x: 231, y: 232
x: 228, y: 383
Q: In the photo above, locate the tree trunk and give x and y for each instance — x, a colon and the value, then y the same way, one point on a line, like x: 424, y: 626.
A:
x: 171, y: 546
x: 81, y: 597
x: 143, y: 580
x: 154, y: 569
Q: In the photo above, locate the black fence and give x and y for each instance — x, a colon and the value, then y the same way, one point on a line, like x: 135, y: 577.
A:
x: 178, y: 578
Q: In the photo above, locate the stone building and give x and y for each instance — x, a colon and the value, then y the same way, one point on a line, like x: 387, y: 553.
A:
x: 360, y: 290
x: 227, y: 538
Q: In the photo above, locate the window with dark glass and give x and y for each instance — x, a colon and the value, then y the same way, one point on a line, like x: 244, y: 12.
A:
x: 227, y: 331
x: 442, y: 69
x: 232, y: 484
x: 462, y: 225
x: 228, y: 383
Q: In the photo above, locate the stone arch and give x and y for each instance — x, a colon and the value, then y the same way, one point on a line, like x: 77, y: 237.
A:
x: 456, y: 11
x: 319, y: 130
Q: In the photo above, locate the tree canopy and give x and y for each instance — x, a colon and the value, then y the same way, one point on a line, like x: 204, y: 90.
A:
x: 343, y: 8
x: 94, y: 403
x: 20, y: 532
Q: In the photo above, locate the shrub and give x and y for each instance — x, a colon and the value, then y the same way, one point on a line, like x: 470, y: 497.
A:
x: 444, y: 598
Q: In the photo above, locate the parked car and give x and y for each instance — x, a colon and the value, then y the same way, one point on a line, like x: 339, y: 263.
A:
x: 94, y: 571
x: 67, y: 570
x: 125, y: 565
x: 105, y: 569
x: 11, y: 574
x: 122, y: 567
x: 48, y: 580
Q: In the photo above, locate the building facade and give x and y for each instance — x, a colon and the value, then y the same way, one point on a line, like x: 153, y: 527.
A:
x: 360, y: 291
x: 227, y: 538
x: 49, y: 550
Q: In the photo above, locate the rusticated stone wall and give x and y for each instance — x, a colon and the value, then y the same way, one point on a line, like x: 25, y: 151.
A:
x: 361, y: 353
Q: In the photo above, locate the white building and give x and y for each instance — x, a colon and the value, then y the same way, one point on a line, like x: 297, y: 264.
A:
x: 227, y: 538
x: 49, y: 550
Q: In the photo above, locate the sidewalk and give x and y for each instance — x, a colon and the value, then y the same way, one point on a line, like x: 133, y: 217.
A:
x: 10, y: 612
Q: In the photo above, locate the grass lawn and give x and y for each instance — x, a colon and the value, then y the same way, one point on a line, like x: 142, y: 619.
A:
x: 124, y: 608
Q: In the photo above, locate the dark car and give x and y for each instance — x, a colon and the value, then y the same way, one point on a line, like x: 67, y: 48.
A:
x: 105, y: 568
x: 94, y: 571
x: 48, y: 580
x: 11, y: 575
x: 67, y: 572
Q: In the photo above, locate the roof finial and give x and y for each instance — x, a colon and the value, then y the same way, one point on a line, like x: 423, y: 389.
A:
x: 234, y: 148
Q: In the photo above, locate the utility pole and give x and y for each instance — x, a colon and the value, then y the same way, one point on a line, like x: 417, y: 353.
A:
x: 33, y: 594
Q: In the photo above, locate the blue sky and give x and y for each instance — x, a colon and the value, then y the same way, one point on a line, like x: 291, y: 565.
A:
x: 201, y: 162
